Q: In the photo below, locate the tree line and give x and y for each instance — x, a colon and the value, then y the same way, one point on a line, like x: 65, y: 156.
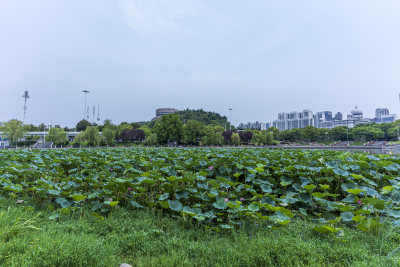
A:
x: 359, y: 133
x: 173, y: 130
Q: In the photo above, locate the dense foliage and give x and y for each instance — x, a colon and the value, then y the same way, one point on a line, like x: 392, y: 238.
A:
x: 14, y: 130
x: 360, y: 133
x: 206, y: 117
x: 220, y: 188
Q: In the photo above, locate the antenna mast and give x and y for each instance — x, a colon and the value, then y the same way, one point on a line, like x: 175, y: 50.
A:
x: 98, y: 112
x: 94, y: 113
x: 26, y: 96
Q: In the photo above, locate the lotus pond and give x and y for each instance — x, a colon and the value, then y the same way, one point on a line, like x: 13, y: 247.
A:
x: 220, y: 188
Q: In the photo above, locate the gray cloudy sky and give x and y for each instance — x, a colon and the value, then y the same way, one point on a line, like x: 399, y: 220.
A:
x: 258, y: 57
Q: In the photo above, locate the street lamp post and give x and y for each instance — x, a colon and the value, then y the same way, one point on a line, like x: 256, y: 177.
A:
x: 84, y: 110
x: 230, y: 119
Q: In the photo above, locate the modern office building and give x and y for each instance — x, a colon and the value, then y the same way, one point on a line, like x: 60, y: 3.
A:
x: 382, y: 115
x: 356, y: 117
x: 253, y: 126
x: 322, y: 117
x: 288, y: 121
x: 379, y: 112
x: 338, y: 116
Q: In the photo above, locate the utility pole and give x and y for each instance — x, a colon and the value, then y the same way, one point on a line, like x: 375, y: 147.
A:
x: 84, y: 110
x: 230, y: 119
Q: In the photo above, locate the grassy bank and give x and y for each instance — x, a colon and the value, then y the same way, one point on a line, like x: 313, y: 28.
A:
x: 141, y: 238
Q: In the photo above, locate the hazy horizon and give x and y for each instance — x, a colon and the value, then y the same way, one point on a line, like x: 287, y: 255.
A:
x: 139, y: 55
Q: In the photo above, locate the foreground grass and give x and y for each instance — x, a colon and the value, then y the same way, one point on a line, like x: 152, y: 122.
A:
x: 141, y: 238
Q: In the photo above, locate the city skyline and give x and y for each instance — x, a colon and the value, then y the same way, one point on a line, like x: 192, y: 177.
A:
x: 135, y: 56
x: 327, y: 119
x: 94, y: 117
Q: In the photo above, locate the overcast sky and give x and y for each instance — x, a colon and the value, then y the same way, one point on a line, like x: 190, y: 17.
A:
x: 257, y: 57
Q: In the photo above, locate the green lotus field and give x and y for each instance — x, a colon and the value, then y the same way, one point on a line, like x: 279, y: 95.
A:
x: 220, y: 188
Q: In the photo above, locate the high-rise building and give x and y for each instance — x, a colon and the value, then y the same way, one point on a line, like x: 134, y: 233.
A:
x: 379, y: 112
x: 253, y: 125
x: 324, y: 119
x: 321, y: 117
x: 382, y: 116
x: 288, y: 121
x: 356, y: 117
x: 338, y: 116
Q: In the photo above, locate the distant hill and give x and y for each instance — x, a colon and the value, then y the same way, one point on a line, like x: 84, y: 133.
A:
x: 207, y: 117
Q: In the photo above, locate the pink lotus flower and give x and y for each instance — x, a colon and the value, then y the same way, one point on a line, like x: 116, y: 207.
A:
x: 242, y: 199
x: 211, y: 167
x: 129, y: 188
x: 359, y: 202
x: 226, y: 199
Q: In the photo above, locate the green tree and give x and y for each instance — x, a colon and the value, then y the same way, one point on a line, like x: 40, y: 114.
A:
x: 80, y: 139
x: 146, y: 129
x: 258, y: 138
x: 310, y: 133
x: 57, y: 136
x: 135, y: 125
x: 169, y: 128
x: 206, y: 117
x: 269, y: 138
x: 109, y: 135
x: 82, y: 125
x: 42, y: 127
x: 14, y: 130
x: 92, y: 135
x: 364, y: 133
x: 124, y: 126
x: 338, y: 133
x: 274, y: 131
x: 151, y: 139
x: 193, y: 131
x: 235, y: 139
x: 213, y: 135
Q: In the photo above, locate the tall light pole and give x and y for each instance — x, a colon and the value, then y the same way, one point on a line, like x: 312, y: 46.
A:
x: 84, y: 110
x: 397, y: 125
x: 230, y: 119
x: 26, y: 96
